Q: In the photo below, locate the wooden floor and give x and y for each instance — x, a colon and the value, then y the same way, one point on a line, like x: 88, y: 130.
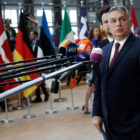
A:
x: 65, y: 125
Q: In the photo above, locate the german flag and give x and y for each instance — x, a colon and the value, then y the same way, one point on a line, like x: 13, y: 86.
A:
x: 24, y: 51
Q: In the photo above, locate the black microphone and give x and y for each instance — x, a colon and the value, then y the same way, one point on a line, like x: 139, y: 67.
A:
x: 71, y: 50
x: 96, y: 56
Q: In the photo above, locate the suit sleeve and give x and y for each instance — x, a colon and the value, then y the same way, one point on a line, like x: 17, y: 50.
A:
x: 139, y: 62
x: 97, y: 106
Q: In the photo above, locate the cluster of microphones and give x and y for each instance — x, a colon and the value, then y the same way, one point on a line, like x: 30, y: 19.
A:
x: 69, y: 53
x: 82, y: 50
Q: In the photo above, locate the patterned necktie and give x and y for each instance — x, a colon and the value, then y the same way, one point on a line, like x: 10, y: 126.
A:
x: 115, y: 54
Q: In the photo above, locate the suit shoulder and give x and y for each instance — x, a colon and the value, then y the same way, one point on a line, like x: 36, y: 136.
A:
x: 103, y: 43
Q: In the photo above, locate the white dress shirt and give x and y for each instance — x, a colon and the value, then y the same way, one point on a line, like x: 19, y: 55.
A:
x: 113, y: 48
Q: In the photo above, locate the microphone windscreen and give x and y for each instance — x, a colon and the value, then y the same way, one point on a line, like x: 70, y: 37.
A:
x: 85, y: 45
x: 83, y: 56
x: 71, y: 49
x: 96, y: 55
x: 62, y: 51
x: 95, y: 42
x: 65, y: 43
x: 77, y: 41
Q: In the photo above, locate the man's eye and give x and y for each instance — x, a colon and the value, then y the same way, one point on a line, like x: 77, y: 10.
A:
x: 105, y: 22
x: 112, y: 21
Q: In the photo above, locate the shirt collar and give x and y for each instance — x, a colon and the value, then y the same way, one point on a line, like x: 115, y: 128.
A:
x: 121, y: 42
x: 110, y: 39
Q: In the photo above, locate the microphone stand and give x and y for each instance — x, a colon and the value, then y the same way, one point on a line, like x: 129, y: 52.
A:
x: 60, y: 99
x: 51, y: 110
x: 29, y: 114
x: 72, y: 106
x: 6, y: 119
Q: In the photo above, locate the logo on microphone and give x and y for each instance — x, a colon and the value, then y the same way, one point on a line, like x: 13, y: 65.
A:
x: 72, y: 49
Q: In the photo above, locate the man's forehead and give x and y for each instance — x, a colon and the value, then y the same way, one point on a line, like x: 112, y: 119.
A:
x: 115, y: 14
x: 118, y: 11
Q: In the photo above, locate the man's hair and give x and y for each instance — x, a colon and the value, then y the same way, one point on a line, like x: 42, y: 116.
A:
x: 119, y: 8
x: 35, y: 32
x: 106, y: 10
x: 8, y: 19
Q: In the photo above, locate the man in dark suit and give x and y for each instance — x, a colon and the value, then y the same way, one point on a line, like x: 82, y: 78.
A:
x: 103, y: 17
x: 38, y: 53
x: 117, y: 88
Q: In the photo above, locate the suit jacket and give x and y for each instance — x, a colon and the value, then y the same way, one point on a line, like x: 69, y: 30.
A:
x: 103, y: 43
x: 117, y: 91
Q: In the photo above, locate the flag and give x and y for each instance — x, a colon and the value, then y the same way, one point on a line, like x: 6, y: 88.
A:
x: 5, y: 54
x: 102, y: 7
x: 84, y: 28
x: 45, y: 39
x: 24, y: 51
x: 104, y: 34
x: 66, y: 32
x: 102, y: 4
x: 134, y: 19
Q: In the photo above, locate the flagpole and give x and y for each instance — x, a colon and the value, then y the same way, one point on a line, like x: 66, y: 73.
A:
x: 102, y: 4
x: 43, y: 4
x: 82, y: 3
x: 115, y: 2
x: 64, y: 4
x: 20, y: 5
x: 131, y: 1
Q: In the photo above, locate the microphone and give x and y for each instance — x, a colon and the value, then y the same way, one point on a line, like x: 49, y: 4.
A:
x: 96, y: 56
x: 83, y: 56
x: 54, y: 86
x: 77, y: 41
x: 62, y: 51
x: 71, y: 50
x: 85, y: 45
x: 63, y: 46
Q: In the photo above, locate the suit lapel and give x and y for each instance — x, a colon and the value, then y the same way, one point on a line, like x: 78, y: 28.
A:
x: 107, y: 54
x: 123, y: 51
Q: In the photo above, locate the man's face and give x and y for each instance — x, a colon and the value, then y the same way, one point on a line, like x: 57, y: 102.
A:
x: 120, y: 25
x: 105, y: 23
x: 8, y: 22
x: 32, y: 36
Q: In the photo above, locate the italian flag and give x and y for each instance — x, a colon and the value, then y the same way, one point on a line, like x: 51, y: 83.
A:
x: 66, y: 32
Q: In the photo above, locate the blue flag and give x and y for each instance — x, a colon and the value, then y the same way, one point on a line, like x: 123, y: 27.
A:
x: 84, y: 28
x: 45, y: 40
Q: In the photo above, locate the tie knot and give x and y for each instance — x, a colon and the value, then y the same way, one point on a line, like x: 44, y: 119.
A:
x: 117, y: 45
